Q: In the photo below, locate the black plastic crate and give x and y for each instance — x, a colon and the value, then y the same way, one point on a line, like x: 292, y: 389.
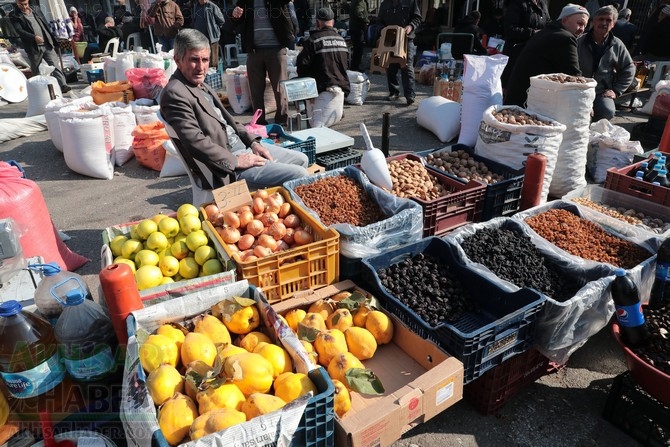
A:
x: 636, y: 413
x: 503, y: 327
x: 339, y: 158
x: 502, y: 198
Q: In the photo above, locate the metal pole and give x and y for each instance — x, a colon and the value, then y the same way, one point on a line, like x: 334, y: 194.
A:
x: 385, y: 133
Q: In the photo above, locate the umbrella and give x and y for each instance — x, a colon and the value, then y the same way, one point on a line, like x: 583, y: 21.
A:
x: 59, y: 20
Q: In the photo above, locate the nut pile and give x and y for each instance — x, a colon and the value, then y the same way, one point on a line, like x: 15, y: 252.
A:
x: 562, y: 79
x: 517, y: 116
x: 513, y: 257
x: 460, y: 164
x: 340, y: 199
x: 411, y: 179
x: 627, y: 215
x: 586, y: 239
x: 656, y: 351
x: 428, y: 287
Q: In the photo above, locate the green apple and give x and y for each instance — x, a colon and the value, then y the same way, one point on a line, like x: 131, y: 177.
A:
x: 121, y: 260
x: 116, y: 244
x: 196, y: 239
x: 189, y: 224
x: 212, y: 266
x: 187, y: 209
x: 169, y: 226
x: 145, y: 228
x: 157, y: 241
x: 130, y: 248
x: 148, y: 276
x: 203, y: 253
x: 169, y: 265
x: 188, y: 268
x: 179, y: 250
x: 146, y: 257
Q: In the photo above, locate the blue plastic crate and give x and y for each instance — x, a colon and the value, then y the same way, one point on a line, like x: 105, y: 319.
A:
x: 307, y: 147
x: 503, y: 327
x: 214, y: 80
x: 317, y: 425
x: 95, y: 75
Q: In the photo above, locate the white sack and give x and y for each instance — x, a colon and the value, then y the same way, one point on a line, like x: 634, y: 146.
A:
x: 237, y: 89
x: 359, y: 84
x: 12, y: 128
x: 173, y: 166
x: 611, y: 147
x: 38, y: 93
x: 569, y: 103
x: 88, y: 139
x: 148, y: 60
x: 145, y: 111
x: 124, y: 61
x: 481, y: 89
x: 52, y: 120
x: 124, y: 123
x: 109, y: 67
x: 331, y: 106
x: 511, y: 144
x: 441, y: 116
x: 661, y: 88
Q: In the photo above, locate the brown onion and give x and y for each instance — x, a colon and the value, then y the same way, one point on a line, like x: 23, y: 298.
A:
x: 233, y: 248
x: 245, y: 217
x: 277, y: 230
x: 246, y: 242
x: 229, y: 235
x: 255, y: 227
x: 302, y: 237
x: 211, y: 211
x: 288, y: 237
x: 258, y: 205
x: 281, y: 246
x: 284, y: 210
x: 231, y: 219
x: 261, y: 251
x: 265, y: 240
x: 269, y: 218
x: 291, y: 221
x: 261, y: 193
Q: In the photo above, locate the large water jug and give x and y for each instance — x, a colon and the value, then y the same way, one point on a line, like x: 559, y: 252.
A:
x: 52, y: 290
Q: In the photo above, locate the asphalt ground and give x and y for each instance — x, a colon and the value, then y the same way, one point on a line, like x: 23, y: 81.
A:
x: 561, y: 409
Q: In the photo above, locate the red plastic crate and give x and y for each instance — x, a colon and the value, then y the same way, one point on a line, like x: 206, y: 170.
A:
x: 495, y: 387
x: 464, y: 205
x: 618, y: 179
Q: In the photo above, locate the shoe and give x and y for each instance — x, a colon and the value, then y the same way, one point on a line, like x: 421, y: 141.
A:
x: 410, y: 101
x: 393, y: 96
x: 65, y: 89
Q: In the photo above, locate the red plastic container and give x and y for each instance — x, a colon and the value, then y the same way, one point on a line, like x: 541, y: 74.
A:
x: 652, y: 380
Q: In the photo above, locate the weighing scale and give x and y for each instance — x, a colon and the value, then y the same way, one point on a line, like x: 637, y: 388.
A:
x: 298, y: 91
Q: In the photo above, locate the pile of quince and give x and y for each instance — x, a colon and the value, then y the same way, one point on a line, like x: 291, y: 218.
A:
x: 220, y: 373
x: 339, y: 333
x: 164, y: 249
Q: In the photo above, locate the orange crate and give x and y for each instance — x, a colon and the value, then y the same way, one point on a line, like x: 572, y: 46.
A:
x: 281, y: 275
x: 619, y: 179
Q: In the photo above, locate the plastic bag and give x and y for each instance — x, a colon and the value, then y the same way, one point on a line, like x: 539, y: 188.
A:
x: 611, y: 148
x: 403, y: 227
x: 146, y: 82
x: 257, y: 129
x: 148, y: 145
x: 561, y: 327
x: 120, y: 91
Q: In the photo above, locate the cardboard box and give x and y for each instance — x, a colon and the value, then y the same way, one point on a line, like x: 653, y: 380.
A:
x: 421, y: 380
x: 155, y: 295
x: 139, y: 414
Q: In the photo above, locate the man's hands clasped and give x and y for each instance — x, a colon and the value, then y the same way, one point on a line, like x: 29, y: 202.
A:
x: 258, y: 158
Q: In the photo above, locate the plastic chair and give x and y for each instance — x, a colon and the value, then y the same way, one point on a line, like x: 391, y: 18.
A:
x: 133, y: 40
x: 392, y: 47
x: 112, y: 47
x: 230, y: 52
x: 660, y: 69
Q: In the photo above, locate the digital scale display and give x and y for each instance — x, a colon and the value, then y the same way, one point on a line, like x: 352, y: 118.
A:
x: 299, y: 89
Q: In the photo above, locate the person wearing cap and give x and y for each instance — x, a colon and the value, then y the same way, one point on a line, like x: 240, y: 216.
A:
x: 37, y: 39
x: 624, y: 29
x: 77, y: 26
x: 325, y: 57
x: 406, y: 14
x: 604, y: 57
x: 551, y: 50
x: 654, y: 43
x: 266, y: 35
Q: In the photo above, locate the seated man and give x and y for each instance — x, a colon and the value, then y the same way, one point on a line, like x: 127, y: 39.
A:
x: 107, y: 31
x: 325, y: 57
x: 604, y: 57
x: 551, y: 50
x: 209, y: 133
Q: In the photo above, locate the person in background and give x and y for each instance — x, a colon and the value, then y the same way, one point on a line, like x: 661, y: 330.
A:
x: 406, y: 14
x: 108, y: 30
x: 168, y: 20
x: 654, y: 42
x: 358, y: 22
x: 304, y: 15
x: 325, y: 55
x: 210, y: 134
x: 552, y: 50
x: 37, y: 40
x: 522, y: 19
x: 494, y: 26
x: 267, y: 33
x: 77, y: 26
x: 121, y: 14
x: 294, y: 21
x: 208, y: 19
x: 186, y: 6
x: 625, y: 30
x: 99, y: 15
x: 604, y: 57
x: 90, y: 29
x: 460, y: 44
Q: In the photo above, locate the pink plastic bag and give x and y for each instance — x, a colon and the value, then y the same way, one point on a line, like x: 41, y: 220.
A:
x: 257, y: 129
x: 146, y: 82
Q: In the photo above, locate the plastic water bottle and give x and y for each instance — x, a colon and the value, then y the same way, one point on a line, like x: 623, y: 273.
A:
x: 86, y: 339
x: 52, y: 290
x: 660, y: 291
x: 629, y: 310
x: 29, y: 360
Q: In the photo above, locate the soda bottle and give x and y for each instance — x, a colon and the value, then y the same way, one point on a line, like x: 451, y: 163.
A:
x: 629, y: 310
x: 86, y: 339
x: 662, y: 178
x: 54, y: 285
x: 660, y: 291
x: 29, y: 360
x: 642, y: 168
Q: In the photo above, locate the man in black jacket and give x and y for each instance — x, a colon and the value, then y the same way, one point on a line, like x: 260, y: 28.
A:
x: 551, y: 50
x: 37, y: 40
x: 268, y: 32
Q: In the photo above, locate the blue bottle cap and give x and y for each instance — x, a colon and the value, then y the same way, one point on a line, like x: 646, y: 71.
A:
x: 74, y: 297
x: 10, y: 308
x: 51, y: 269
x: 619, y: 272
